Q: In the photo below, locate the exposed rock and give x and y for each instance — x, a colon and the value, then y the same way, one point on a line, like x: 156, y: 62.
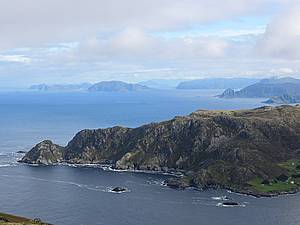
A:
x: 225, y: 149
x: 178, y: 183
x: 230, y: 204
x: 45, y: 153
x: 228, y: 93
x: 119, y: 189
x: 21, y: 152
x: 283, y: 99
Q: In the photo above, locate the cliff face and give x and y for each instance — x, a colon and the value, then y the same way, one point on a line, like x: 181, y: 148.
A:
x: 45, y: 153
x: 215, y: 148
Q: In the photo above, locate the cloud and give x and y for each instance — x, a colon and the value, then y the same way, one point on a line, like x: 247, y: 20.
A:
x: 282, y: 36
x: 15, y: 58
x: 68, y: 40
x: 138, y: 46
x: 283, y: 71
x: 32, y: 22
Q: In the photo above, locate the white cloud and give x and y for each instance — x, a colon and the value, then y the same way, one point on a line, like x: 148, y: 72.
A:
x: 282, y: 36
x: 140, y: 39
x: 283, y: 71
x: 136, y: 45
x: 34, y: 22
x: 15, y: 58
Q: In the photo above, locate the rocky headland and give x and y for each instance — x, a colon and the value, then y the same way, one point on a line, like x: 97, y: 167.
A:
x: 254, y: 151
x: 277, y: 90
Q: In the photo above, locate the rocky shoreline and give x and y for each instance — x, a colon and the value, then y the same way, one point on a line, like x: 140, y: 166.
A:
x: 175, y: 181
x: 255, y: 152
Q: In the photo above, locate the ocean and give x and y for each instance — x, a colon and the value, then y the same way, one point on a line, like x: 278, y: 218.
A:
x: 70, y: 195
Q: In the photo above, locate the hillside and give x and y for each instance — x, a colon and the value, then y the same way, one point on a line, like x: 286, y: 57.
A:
x: 216, y: 83
x: 7, y: 219
x: 283, y: 90
x: 251, y: 151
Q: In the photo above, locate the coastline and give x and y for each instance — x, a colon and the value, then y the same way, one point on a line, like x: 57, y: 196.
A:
x: 177, y: 175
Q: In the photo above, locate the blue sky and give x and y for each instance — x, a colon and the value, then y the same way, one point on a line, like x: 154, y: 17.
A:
x: 133, y: 40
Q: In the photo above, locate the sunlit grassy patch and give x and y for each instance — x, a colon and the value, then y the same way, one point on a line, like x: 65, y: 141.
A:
x: 273, y: 186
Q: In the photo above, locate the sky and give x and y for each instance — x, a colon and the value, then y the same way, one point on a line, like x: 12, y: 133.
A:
x: 74, y: 41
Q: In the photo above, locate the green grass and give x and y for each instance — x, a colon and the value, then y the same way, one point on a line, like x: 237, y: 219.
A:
x: 17, y: 220
x: 292, y: 167
x: 273, y: 187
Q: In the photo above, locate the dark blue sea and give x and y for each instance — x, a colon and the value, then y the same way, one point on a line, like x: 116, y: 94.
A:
x: 68, y: 195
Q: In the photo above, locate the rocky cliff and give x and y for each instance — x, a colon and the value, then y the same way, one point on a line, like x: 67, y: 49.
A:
x: 245, y: 150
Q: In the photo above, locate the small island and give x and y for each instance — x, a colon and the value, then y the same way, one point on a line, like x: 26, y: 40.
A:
x: 119, y: 189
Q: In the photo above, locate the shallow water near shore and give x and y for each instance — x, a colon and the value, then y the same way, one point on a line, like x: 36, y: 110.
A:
x: 71, y: 195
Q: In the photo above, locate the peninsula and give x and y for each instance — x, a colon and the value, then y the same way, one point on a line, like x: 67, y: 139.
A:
x: 253, y: 151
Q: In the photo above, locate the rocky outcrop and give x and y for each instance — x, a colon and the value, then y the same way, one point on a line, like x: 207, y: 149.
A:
x: 283, y: 99
x: 228, y: 93
x: 212, y: 148
x: 45, y: 153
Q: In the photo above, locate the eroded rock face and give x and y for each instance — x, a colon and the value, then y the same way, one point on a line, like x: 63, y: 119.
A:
x: 221, y: 148
x: 45, y: 153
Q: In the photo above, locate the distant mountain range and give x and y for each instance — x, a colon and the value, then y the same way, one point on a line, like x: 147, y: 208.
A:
x: 61, y: 87
x: 217, y: 83
x: 116, y: 86
x: 162, y: 83
x: 278, y: 90
x: 106, y: 86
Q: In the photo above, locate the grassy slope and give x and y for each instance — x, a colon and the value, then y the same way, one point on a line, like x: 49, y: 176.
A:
x: 275, y: 185
x: 7, y: 219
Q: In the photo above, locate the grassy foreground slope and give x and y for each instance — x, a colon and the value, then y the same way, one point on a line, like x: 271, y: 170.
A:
x: 7, y: 219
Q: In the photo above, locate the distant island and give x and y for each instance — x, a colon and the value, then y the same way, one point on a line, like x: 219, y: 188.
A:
x: 61, y: 87
x: 217, y: 83
x: 116, y: 86
x: 162, y: 83
x: 104, y: 86
x: 254, y: 151
x: 278, y: 90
